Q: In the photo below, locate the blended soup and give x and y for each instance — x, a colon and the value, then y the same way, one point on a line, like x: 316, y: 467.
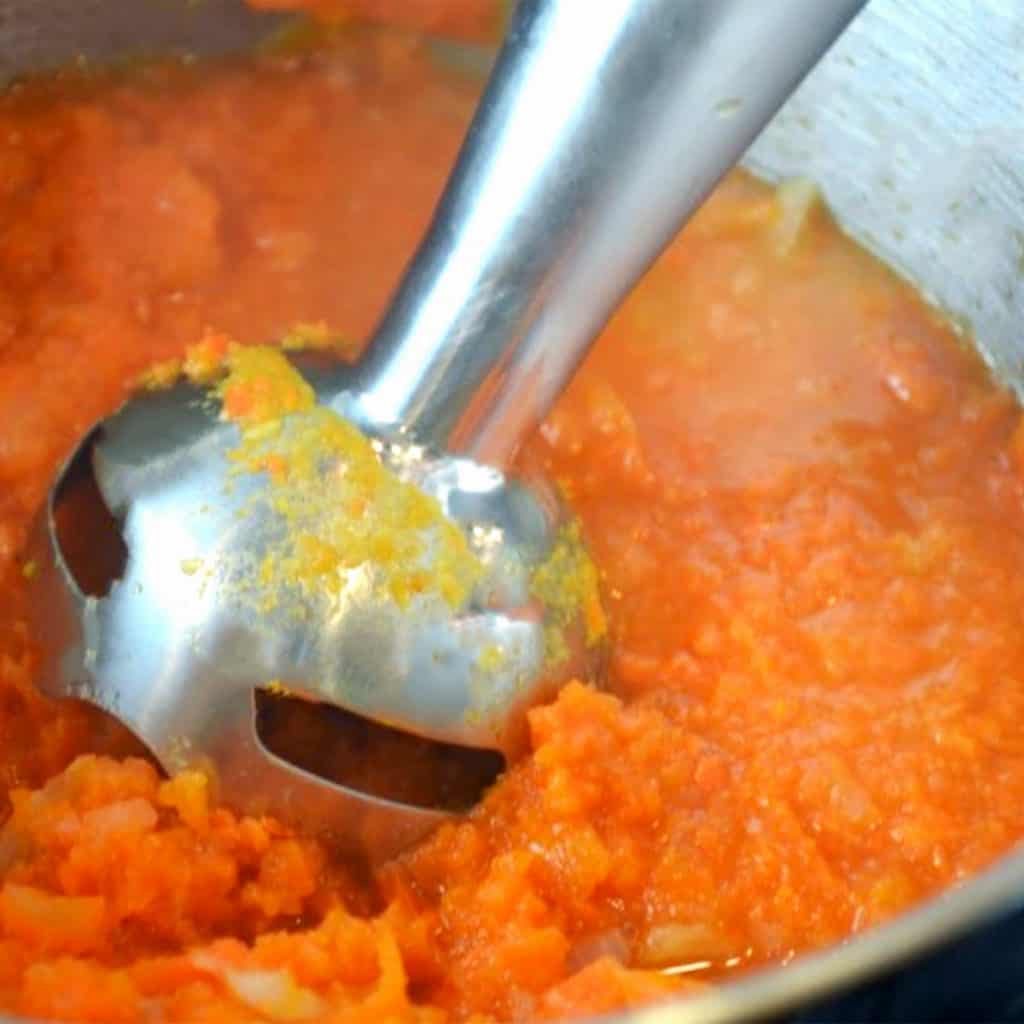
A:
x: 804, y: 495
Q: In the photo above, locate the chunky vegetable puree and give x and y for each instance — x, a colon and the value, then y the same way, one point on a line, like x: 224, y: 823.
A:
x: 804, y: 498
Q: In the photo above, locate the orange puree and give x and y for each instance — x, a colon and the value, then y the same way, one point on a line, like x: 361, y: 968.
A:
x: 804, y: 497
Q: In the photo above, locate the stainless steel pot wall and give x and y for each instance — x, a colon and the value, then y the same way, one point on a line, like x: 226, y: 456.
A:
x: 39, y: 34
x: 912, y: 127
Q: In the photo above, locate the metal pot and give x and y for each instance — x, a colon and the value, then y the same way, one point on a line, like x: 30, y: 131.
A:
x: 911, y: 126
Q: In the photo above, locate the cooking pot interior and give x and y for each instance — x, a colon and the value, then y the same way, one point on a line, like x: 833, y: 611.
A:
x: 911, y: 127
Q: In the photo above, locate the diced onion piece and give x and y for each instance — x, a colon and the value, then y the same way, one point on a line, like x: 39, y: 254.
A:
x: 611, y: 943
x: 273, y: 993
x: 49, y: 922
x: 796, y: 199
x: 134, y: 815
x: 672, y: 944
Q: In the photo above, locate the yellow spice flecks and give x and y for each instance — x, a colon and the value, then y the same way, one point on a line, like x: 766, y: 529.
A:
x: 567, y: 583
x: 262, y: 387
x: 343, y: 511
x: 204, y: 361
x: 491, y: 658
x: 348, y: 520
x: 160, y: 376
x: 316, y: 337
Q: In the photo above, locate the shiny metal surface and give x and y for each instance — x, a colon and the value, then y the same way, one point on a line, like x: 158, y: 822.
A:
x: 580, y: 165
x: 912, y: 127
x: 602, y: 129
x: 182, y: 639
